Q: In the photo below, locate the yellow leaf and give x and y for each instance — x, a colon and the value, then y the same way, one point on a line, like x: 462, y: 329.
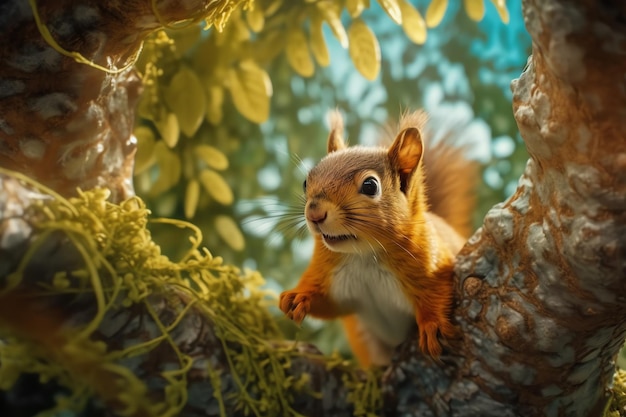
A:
x: 332, y: 16
x: 364, y: 49
x: 229, y: 231
x: 298, y: 53
x: 144, y: 158
x: 192, y: 195
x: 356, y: 7
x: 270, y: 44
x: 318, y: 43
x: 216, y: 186
x: 413, y: 23
x: 255, y: 18
x: 251, y: 89
x: 169, y: 130
x: 169, y: 169
x: 435, y: 12
x: 393, y: 10
x: 475, y: 9
x: 502, y: 10
x: 185, y: 97
x: 214, y: 111
x: 212, y: 156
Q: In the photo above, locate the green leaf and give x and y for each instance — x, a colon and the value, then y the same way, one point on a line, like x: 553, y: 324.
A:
x: 185, y: 97
x: 475, y: 9
x: 169, y: 129
x: 318, y: 43
x: 214, y: 105
x: 435, y: 12
x: 144, y: 158
x: 192, y: 196
x: 331, y: 14
x: 229, y: 231
x: 392, y: 8
x: 255, y: 18
x: 298, y: 53
x: 250, y: 88
x: 412, y: 23
x: 211, y: 156
x: 216, y: 186
x: 364, y: 49
x: 169, y: 169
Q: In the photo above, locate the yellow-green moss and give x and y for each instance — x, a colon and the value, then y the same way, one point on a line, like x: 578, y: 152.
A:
x: 122, y: 267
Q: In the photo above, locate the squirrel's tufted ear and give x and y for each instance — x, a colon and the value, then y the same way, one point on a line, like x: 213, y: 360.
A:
x: 405, y: 154
x: 335, y: 138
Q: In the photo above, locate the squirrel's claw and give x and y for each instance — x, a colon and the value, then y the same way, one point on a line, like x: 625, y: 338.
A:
x: 295, y: 305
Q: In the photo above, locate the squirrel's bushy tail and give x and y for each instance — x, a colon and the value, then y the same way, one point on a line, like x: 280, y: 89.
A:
x: 451, y: 179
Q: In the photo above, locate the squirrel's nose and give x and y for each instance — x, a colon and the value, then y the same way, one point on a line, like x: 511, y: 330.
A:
x: 316, y: 216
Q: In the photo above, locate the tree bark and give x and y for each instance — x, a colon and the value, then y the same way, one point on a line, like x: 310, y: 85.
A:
x: 540, y: 287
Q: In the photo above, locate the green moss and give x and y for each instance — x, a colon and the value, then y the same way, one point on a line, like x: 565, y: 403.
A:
x: 122, y: 267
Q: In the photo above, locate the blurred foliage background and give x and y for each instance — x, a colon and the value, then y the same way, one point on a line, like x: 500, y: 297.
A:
x: 231, y: 119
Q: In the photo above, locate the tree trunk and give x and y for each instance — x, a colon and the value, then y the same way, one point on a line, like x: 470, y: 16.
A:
x: 541, y: 290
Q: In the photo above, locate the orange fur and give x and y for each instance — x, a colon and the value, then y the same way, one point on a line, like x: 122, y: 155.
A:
x: 369, y: 211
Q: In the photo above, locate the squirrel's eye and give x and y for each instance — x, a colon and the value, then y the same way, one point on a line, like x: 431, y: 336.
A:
x: 370, y: 186
x: 304, y: 186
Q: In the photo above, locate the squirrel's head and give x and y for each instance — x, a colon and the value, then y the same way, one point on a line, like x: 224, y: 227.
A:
x: 357, y: 198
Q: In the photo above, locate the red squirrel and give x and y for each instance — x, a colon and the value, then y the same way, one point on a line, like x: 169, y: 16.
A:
x: 387, y: 227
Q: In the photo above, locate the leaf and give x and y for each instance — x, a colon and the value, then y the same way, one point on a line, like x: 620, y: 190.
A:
x: 144, y: 158
x: 502, y: 10
x: 318, y: 43
x: 255, y: 18
x: 475, y: 9
x: 392, y: 8
x: 169, y: 129
x: 298, y: 53
x: 356, y: 7
x: 169, y: 169
x: 185, y: 97
x: 230, y: 232
x: 413, y: 23
x: 364, y: 49
x: 212, y: 156
x: 192, y: 195
x: 435, y: 12
x: 216, y: 186
x: 214, y: 105
x: 331, y: 14
x: 251, y: 89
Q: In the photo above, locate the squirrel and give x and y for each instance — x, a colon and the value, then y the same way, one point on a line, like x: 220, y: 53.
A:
x: 387, y: 225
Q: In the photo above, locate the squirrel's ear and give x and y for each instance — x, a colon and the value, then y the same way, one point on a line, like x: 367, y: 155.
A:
x: 335, y: 138
x: 405, y: 154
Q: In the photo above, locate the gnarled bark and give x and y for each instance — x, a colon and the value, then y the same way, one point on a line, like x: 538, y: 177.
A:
x: 541, y: 290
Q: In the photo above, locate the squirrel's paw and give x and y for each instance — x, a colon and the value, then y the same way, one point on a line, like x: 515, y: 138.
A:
x: 296, y: 305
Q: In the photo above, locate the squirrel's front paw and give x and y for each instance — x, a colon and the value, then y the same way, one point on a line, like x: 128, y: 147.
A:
x: 296, y: 305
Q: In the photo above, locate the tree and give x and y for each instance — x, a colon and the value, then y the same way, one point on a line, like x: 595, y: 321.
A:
x: 539, y: 298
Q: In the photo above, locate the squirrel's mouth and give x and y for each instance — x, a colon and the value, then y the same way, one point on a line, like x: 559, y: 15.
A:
x: 337, y: 238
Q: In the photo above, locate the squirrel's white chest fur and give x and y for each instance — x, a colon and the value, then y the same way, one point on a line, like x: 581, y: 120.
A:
x: 372, y: 292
